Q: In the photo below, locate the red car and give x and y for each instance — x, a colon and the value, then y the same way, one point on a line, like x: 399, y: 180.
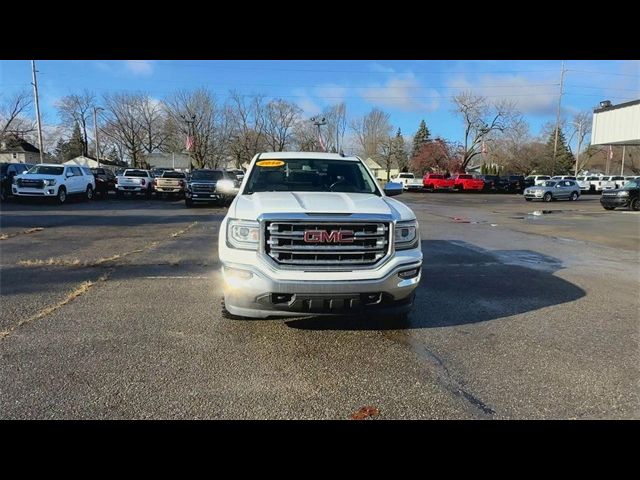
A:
x: 437, y: 181
x: 464, y: 182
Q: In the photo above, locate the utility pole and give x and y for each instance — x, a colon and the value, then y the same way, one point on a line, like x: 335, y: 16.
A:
x: 35, y: 93
x: 555, y: 143
x: 95, y: 129
x: 318, y: 123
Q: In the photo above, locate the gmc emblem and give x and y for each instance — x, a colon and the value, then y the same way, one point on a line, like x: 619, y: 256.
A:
x: 322, y: 236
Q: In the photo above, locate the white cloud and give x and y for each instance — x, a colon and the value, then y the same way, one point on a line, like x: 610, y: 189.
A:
x: 403, y: 92
x: 306, y: 103
x: 332, y: 92
x: 139, y: 67
x: 534, y: 96
x: 378, y: 67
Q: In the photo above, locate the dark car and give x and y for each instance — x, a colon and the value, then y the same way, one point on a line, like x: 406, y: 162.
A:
x: 7, y: 173
x: 515, y: 183
x: 211, y: 186
x: 494, y: 183
x: 105, y: 181
x: 627, y: 196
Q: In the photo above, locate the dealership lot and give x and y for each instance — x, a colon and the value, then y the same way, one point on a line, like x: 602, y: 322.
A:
x: 111, y: 309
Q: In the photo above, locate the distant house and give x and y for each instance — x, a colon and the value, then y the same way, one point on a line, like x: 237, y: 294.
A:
x: 14, y: 149
x: 178, y: 161
x: 380, y: 172
x: 91, y: 162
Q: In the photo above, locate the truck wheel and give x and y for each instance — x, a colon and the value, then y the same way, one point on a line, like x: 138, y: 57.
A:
x: 547, y: 197
x: 574, y: 196
x: 634, y: 205
x: 188, y: 203
x: 608, y: 208
x: 528, y: 199
x: 89, y: 193
x: 62, y: 195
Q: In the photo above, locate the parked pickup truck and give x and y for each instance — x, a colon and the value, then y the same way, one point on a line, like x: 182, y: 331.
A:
x: 52, y: 180
x: 408, y: 180
x: 613, y: 183
x: 437, y: 181
x: 170, y: 183
x: 588, y: 183
x: 314, y: 234
x: 462, y: 182
x: 210, y: 186
x: 133, y: 181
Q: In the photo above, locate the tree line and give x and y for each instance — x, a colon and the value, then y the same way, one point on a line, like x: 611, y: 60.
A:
x: 133, y: 126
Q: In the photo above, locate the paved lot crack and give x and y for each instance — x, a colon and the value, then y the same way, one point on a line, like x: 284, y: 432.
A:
x: 6, y: 236
x: 81, y: 289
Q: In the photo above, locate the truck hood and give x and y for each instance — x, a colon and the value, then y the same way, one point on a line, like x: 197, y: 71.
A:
x: 249, y: 207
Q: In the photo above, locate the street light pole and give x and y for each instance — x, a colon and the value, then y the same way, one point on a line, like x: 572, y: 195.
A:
x: 319, y: 122
x: 95, y: 129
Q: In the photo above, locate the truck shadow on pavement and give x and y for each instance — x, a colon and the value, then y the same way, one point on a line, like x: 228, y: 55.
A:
x: 465, y: 284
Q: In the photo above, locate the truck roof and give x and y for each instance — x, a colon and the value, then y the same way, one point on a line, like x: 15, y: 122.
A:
x: 310, y: 155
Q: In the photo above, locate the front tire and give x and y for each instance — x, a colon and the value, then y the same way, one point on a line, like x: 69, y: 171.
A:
x: 547, y: 197
x: 62, y: 195
x: 574, y: 196
x: 608, y: 208
x: 88, y: 195
x: 634, y: 205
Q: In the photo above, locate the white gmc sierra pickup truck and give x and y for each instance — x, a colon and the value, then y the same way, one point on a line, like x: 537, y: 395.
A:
x: 313, y: 234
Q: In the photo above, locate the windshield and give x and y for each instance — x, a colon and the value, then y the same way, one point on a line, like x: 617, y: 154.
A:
x: 45, y: 170
x: 211, y: 175
x: 406, y: 175
x: 135, y: 173
x: 173, y: 175
x: 465, y: 177
x: 549, y: 184
x: 310, y: 175
x: 631, y: 185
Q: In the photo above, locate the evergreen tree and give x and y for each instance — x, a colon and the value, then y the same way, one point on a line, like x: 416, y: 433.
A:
x: 76, y: 146
x: 564, y: 158
x: 421, y: 137
x: 61, y: 151
x: 399, y: 152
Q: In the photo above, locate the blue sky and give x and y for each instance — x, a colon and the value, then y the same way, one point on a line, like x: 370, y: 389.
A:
x: 408, y: 90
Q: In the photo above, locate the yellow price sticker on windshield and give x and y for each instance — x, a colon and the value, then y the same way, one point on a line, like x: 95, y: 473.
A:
x: 270, y: 163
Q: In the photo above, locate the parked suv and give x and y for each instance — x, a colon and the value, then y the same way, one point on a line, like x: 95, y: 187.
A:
x: 553, y: 190
x: 312, y: 233
x: 51, y: 180
x: 8, y: 172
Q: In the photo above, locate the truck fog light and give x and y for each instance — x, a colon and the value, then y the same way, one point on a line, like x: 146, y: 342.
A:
x: 409, y: 273
x: 50, y: 191
x: 239, y: 274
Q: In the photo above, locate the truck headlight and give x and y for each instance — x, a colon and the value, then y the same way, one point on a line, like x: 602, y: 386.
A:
x: 50, y: 182
x: 243, y: 234
x: 623, y: 194
x: 406, y: 235
x: 224, y: 185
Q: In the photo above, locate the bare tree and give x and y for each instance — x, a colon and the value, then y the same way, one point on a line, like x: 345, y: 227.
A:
x: 248, y: 126
x: 77, y: 109
x: 124, y: 126
x: 280, y: 118
x: 305, y: 137
x: 336, y: 124
x: 481, y: 119
x: 197, y: 114
x: 371, y: 132
x: 12, y: 110
x: 153, y: 119
x: 581, y: 130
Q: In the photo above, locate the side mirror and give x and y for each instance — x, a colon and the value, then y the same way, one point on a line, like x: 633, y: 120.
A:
x: 392, y: 188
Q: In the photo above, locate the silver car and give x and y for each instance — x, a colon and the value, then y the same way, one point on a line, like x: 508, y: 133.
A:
x: 553, y: 190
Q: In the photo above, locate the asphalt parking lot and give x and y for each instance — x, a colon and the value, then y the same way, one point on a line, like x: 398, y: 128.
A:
x: 112, y: 310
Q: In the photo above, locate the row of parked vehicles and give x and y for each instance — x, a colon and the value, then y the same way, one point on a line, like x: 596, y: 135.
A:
x: 462, y: 182
x: 59, y: 182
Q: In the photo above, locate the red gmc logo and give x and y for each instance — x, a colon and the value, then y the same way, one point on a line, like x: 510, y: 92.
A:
x: 322, y: 236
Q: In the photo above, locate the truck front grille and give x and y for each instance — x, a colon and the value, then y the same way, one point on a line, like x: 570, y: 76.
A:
x: 28, y: 183
x: 203, y: 187
x: 327, y: 244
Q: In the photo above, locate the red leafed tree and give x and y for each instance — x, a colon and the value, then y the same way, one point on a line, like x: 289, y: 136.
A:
x: 437, y: 156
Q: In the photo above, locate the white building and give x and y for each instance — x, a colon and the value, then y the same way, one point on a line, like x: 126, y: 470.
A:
x: 616, y: 124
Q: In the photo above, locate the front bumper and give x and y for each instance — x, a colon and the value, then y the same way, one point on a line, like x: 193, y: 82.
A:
x: 169, y: 190
x: 614, y: 201
x: 249, y: 292
x: 35, y: 192
x: 132, y: 189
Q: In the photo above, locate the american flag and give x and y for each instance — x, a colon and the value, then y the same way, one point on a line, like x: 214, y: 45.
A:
x: 189, y: 144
